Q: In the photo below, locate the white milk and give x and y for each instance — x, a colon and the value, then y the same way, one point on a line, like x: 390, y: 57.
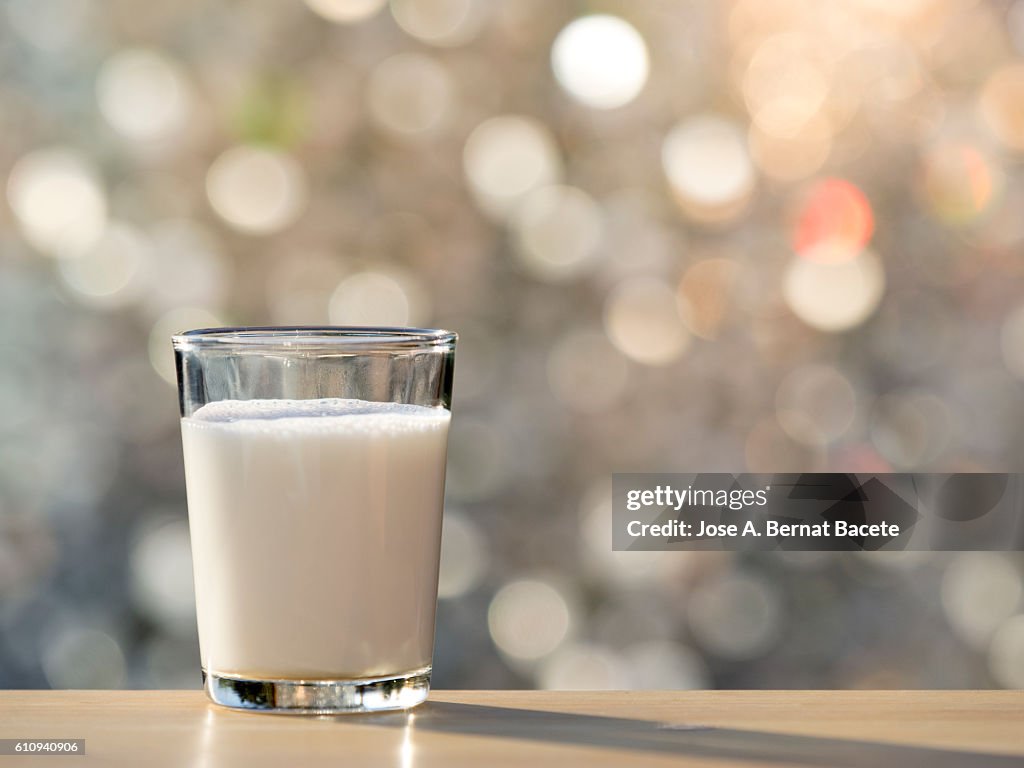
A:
x: 316, y: 529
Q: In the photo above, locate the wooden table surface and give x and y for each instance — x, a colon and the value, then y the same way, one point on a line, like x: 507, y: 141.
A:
x: 536, y: 729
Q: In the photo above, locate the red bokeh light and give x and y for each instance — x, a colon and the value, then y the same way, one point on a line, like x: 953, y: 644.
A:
x: 835, y: 222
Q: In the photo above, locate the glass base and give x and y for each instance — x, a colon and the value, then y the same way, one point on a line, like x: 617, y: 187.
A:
x: 319, y: 697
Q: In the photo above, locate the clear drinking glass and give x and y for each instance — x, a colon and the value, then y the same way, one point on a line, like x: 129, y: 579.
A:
x: 314, y: 466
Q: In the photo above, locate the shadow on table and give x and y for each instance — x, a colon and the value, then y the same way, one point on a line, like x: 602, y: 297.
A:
x: 682, y: 741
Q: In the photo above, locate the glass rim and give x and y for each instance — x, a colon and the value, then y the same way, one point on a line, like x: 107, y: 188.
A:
x: 354, y: 337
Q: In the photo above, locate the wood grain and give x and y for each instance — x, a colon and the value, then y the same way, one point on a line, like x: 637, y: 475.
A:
x: 537, y: 729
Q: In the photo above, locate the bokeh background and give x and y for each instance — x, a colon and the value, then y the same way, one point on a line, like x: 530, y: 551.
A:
x: 764, y: 235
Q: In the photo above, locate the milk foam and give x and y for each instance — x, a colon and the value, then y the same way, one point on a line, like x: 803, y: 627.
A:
x: 286, y: 417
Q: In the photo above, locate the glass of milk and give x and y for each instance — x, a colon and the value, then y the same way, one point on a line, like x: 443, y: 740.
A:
x: 315, y: 466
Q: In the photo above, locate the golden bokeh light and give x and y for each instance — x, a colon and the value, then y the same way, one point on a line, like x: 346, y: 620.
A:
x: 346, y: 11
x: 789, y: 158
x: 643, y: 317
x: 389, y: 297
x: 1000, y: 104
x: 529, y: 619
x: 708, y: 167
x: 601, y: 61
x: 110, y: 273
x: 959, y: 182
x: 445, y: 23
x: 783, y: 89
x: 834, y: 296
x: 256, y: 189
x: 58, y: 200
x: 410, y: 94
x: 558, y: 232
x: 143, y: 95
x: 506, y: 157
x: 708, y: 288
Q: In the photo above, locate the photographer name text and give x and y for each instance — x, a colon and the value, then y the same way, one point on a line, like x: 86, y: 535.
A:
x: 701, y: 529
